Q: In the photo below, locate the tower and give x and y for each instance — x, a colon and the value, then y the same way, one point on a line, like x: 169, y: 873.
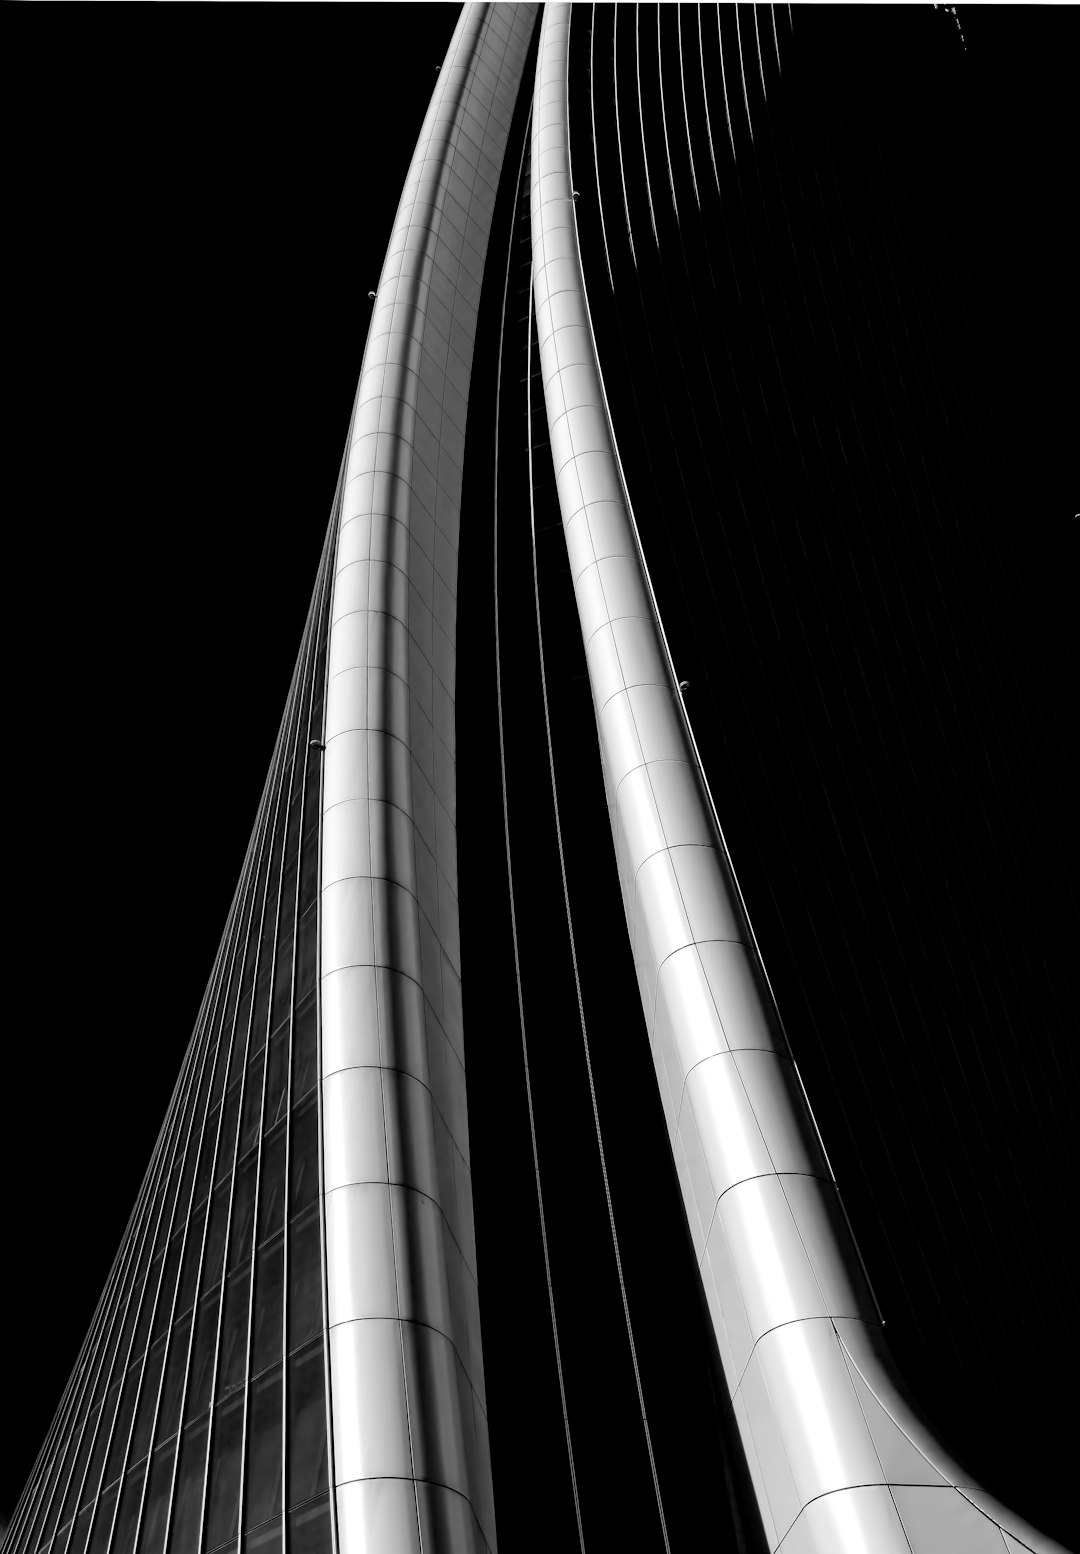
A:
x: 409, y: 949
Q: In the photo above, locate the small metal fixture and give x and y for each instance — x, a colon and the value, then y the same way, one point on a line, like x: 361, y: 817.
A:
x: 574, y: 194
x: 684, y: 686
x: 316, y: 744
x: 372, y: 295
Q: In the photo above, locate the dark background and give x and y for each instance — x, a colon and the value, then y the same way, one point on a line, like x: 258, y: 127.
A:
x: 197, y: 206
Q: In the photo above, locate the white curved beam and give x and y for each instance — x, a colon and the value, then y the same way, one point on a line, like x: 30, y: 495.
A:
x: 411, y: 1458
x: 839, y: 1461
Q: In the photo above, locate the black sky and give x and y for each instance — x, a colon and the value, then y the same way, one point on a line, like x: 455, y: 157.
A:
x: 198, y: 203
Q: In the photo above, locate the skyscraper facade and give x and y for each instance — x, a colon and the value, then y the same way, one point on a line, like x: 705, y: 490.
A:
x: 289, y: 1350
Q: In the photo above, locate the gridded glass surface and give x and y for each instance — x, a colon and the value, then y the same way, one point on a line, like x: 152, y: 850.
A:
x: 196, y: 1416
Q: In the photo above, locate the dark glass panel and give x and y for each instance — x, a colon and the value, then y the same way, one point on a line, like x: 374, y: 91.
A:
x: 167, y: 1289
x: 202, y: 1355
x: 277, y: 1078
x: 263, y: 1469
x: 305, y: 1049
x: 309, y: 875
x: 272, y: 1185
x: 263, y: 1540
x: 252, y: 1110
x: 189, y: 1272
x: 80, y: 1531
x: 269, y: 1272
x: 187, y: 1176
x: 223, y: 1496
x: 118, y: 1447
x: 206, y: 1155
x: 187, y: 1504
x: 144, y: 1419
x: 71, y: 1496
x: 169, y: 1415
x: 261, y: 1008
x: 243, y: 1212
x: 305, y: 1280
x: 304, y: 1157
x: 142, y: 1302
x: 97, y: 1455
x: 234, y: 1331
x: 306, y: 947
x: 99, y: 1535
x: 227, y: 1143
x: 292, y: 829
x: 215, y: 1239
x: 309, y: 1528
x: 128, y: 1517
x: 288, y: 895
x: 283, y: 978
x: 307, y: 1424
x: 240, y: 1030
x: 311, y: 798
x: 156, y: 1508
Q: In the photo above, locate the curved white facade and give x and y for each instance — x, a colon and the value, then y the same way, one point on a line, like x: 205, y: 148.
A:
x: 411, y: 1458
x: 839, y: 1460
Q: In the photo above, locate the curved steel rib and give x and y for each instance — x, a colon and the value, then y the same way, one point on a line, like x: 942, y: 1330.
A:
x: 840, y: 1461
x: 411, y: 1456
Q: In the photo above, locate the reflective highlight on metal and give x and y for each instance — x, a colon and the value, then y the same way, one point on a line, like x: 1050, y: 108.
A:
x: 411, y: 1457
x: 839, y: 1459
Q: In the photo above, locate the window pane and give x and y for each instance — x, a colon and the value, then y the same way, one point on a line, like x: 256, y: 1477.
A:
x: 309, y: 1528
x: 202, y: 1355
x: 152, y: 1533
x: 124, y: 1536
x: 309, y: 876
x: 283, y: 978
x: 272, y: 1185
x: 227, y: 1143
x: 277, y: 1078
x: 224, y: 1488
x: 265, y: 1539
x: 234, y: 1331
x: 215, y: 1241
x: 263, y: 1493
x: 305, y: 1280
x: 267, y: 1342
x: 305, y: 1052
x: 304, y: 1157
x: 184, y: 1532
x: 243, y: 1212
x: 168, y: 1287
x: 97, y: 1454
x: 169, y: 1417
x: 307, y: 1424
x: 261, y: 1008
x: 99, y: 1537
x: 189, y: 1273
x: 305, y: 954
x: 148, y: 1401
x: 249, y: 1123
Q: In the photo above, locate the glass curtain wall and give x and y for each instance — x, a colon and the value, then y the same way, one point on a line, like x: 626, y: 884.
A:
x: 196, y: 1415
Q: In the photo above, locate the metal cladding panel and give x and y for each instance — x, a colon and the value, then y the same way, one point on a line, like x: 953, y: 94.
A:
x: 839, y: 1462
x: 411, y: 1458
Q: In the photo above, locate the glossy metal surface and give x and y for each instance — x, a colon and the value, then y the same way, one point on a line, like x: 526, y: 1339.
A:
x: 411, y: 1458
x: 838, y: 1460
